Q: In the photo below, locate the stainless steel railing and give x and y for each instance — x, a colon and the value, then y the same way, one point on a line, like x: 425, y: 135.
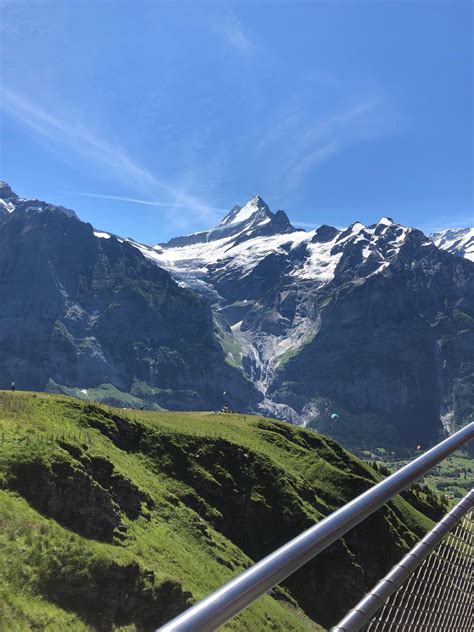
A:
x: 213, y: 611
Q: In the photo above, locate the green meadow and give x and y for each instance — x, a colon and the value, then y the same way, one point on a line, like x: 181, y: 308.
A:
x: 116, y: 519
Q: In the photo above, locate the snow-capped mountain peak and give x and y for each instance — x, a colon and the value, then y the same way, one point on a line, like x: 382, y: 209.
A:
x: 252, y: 237
x: 457, y: 241
x: 369, y: 320
x: 254, y: 209
x: 254, y: 219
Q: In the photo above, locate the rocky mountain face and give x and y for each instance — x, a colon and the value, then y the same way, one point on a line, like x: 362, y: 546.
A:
x: 457, y: 241
x: 93, y: 317
x: 365, y: 332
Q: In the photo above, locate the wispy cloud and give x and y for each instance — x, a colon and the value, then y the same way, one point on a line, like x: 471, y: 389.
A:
x: 234, y: 34
x: 328, y: 137
x: 208, y: 209
x: 304, y: 142
x: 61, y: 133
x: 309, y: 159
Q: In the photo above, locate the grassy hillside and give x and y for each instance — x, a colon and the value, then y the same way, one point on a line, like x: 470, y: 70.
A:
x: 118, y: 520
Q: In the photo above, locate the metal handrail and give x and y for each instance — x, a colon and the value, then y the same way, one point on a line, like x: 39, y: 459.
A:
x: 213, y: 611
x: 367, y: 607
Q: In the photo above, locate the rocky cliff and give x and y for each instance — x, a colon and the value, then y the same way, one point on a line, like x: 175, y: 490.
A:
x: 78, y: 313
x: 373, y: 324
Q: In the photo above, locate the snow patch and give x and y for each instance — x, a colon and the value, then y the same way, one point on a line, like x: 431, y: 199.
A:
x: 457, y: 241
x: 320, y: 265
x: 243, y: 214
x: 8, y: 206
x: 195, y: 259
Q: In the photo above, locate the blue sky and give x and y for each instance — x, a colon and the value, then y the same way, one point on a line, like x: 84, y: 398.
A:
x: 151, y: 119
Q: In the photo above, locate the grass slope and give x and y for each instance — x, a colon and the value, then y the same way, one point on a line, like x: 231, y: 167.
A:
x: 118, y: 520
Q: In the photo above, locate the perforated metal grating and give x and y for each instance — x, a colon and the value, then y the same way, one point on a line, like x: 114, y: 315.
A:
x: 439, y: 596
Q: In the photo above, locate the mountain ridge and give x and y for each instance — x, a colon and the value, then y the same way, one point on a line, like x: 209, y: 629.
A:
x: 375, y: 322
x: 81, y: 313
x: 10, y: 202
x: 249, y: 221
x: 275, y: 291
x: 458, y: 241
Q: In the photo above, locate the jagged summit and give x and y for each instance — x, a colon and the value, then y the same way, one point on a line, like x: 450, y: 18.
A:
x: 6, y: 192
x: 251, y: 239
x: 10, y: 202
x: 7, y: 199
x: 254, y: 219
x: 457, y: 241
x: 255, y: 208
